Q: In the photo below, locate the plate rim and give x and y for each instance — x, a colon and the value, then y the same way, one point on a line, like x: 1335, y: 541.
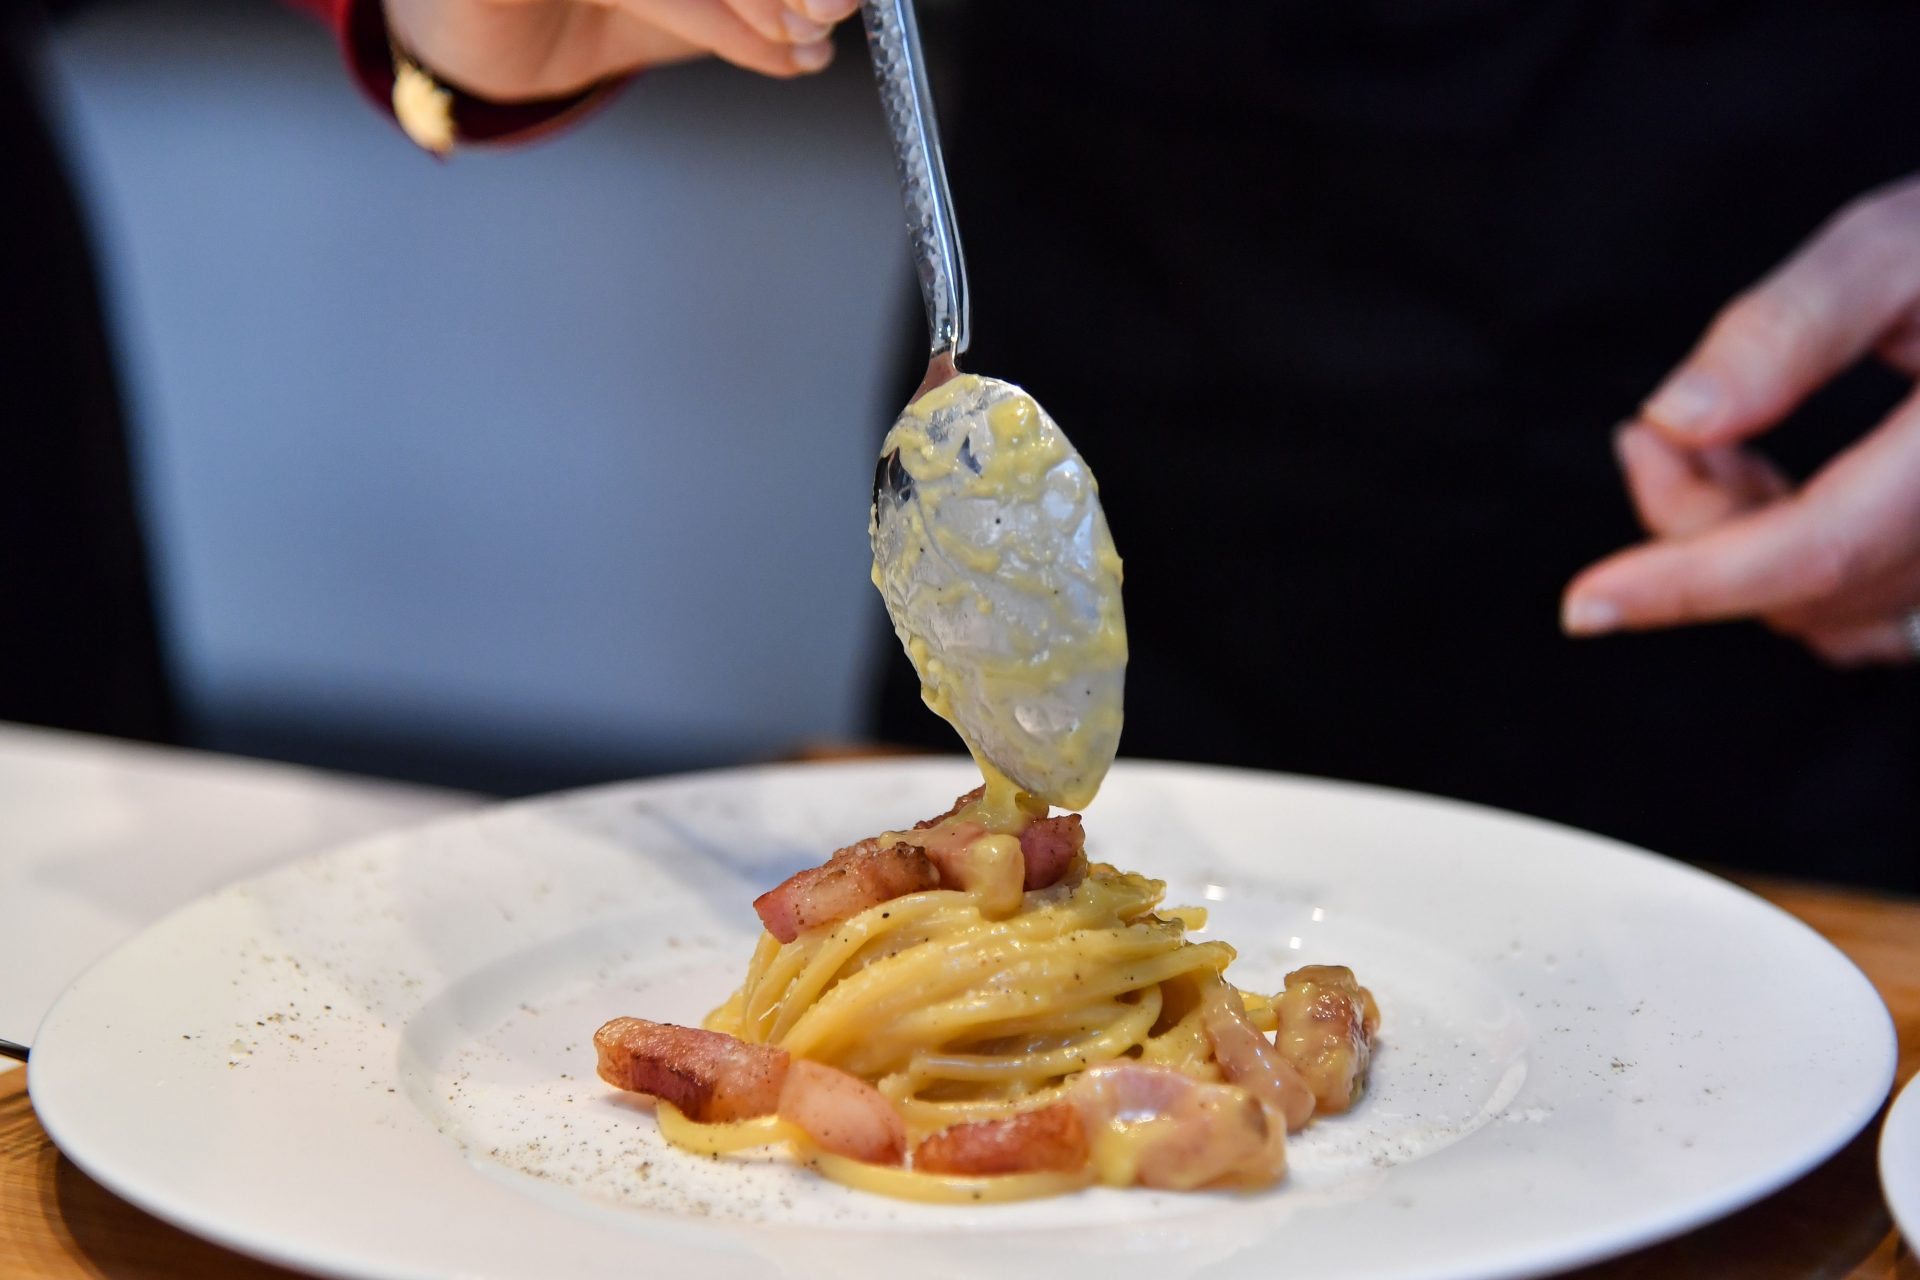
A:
x: 1901, y: 1129
x: 1525, y: 1261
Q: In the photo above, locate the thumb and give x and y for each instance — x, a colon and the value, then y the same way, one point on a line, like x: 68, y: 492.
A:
x: 1820, y: 311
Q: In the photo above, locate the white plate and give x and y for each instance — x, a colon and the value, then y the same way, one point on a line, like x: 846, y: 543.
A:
x: 1900, y: 1161
x: 378, y: 1062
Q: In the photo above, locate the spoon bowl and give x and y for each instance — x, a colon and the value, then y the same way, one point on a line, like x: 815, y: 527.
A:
x: 993, y: 556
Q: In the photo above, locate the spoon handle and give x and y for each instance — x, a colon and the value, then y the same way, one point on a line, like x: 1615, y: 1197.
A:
x: 893, y: 38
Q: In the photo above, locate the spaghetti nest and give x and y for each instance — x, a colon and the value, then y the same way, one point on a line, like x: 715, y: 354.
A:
x: 971, y: 1011
x: 958, y: 1017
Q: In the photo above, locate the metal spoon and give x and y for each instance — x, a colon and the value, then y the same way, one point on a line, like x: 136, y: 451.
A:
x: 989, y: 544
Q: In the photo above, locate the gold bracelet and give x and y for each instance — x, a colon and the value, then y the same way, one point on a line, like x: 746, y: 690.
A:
x: 422, y: 105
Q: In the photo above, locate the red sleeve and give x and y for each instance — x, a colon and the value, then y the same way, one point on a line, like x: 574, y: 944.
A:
x: 361, y: 27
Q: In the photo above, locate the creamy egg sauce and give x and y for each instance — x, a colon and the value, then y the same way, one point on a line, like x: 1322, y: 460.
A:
x: 1017, y: 633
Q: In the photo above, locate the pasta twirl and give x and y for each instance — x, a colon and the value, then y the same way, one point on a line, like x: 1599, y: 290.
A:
x: 956, y: 1016
x: 1052, y: 1036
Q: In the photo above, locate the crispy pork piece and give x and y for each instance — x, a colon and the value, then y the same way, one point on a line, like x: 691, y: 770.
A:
x: 710, y: 1076
x: 1051, y: 846
x: 1185, y: 1133
x: 858, y: 877
x: 868, y: 872
x: 1327, y: 1021
x: 843, y: 1113
x: 714, y: 1078
x: 1050, y: 1139
x: 1048, y: 846
x: 1250, y: 1060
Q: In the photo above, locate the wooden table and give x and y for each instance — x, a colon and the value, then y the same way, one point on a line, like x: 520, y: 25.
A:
x: 57, y: 1222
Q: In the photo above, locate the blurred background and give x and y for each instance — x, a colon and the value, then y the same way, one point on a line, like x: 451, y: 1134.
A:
x: 543, y: 466
x: 550, y: 464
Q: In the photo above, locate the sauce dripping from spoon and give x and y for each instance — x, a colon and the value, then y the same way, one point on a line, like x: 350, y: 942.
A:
x: 989, y: 544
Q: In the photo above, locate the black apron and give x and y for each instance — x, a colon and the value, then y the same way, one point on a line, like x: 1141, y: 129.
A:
x: 1408, y: 265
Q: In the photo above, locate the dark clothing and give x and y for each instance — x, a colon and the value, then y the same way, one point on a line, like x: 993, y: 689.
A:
x: 79, y: 648
x: 1408, y: 264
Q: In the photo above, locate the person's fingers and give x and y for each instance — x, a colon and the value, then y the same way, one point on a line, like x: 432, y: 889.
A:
x: 713, y: 25
x: 779, y: 22
x: 1816, y: 314
x: 1854, y: 523
x: 1681, y: 492
x: 1874, y: 643
x: 1670, y: 495
x: 826, y: 11
x: 1901, y: 348
x: 1748, y: 476
x: 1750, y: 565
x: 1891, y: 594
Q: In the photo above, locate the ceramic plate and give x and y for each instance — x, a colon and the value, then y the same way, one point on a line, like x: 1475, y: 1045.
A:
x: 378, y: 1062
x: 1900, y: 1161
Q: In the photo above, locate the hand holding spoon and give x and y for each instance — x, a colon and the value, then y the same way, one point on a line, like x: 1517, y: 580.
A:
x: 989, y: 544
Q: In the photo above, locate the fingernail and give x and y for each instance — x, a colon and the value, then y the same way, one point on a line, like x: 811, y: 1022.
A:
x: 812, y: 57
x: 1584, y: 616
x: 1687, y: 402
x: 801, y: 30
x: 824, y: 10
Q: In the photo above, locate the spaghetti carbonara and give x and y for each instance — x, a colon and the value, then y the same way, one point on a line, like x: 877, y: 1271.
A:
x: 972, y: 1010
